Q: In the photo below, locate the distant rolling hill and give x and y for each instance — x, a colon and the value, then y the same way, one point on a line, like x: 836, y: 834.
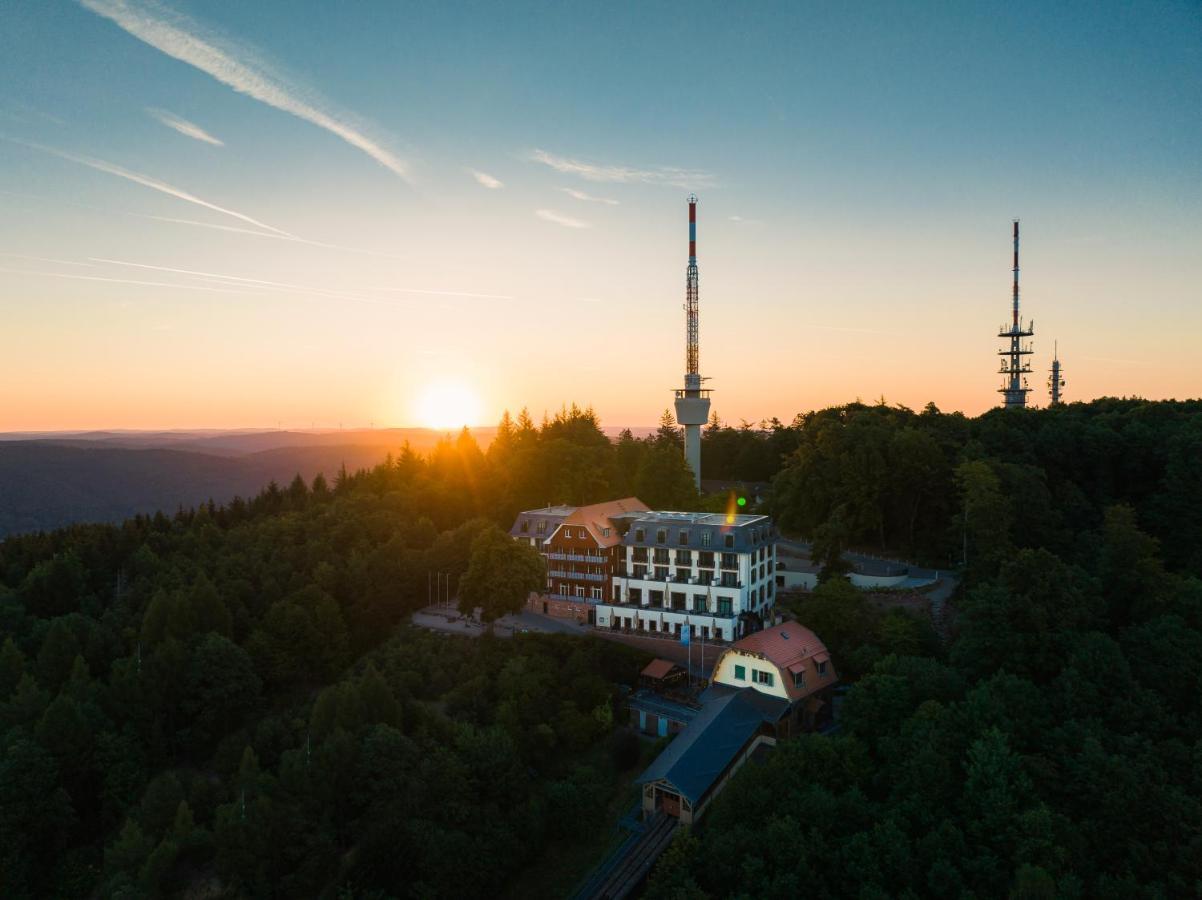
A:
x: 46, y: 484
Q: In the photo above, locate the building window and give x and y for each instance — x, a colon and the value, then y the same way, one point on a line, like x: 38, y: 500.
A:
x: 728, y: 540
x: 822, y: 670
x: 799, y: 679
x: 705, y: 538
x: 730, y: 579
x: 656, y: 597
x: 661, y: 573
x: 699, y: 603
x: 724, y: 606
x: 605, y: 532
x: 677, y: 600
x: 661, y: 555
x: 705, y: 559
x: 639, y: 554
x: 730, y: 561
x: 525, y: 526
x: 740, y: 673
x: 542, y: 526
x: 636, y: 595
x: 617, y: 593
x: 640, y: 571
x: 683, y: 537
x: 761, y: 677
x: 640, y: 535
x: 579, y: 592
x: 661, y: 536
x: 684, y: 557
x: 597, y: 593
x: 770, y: 587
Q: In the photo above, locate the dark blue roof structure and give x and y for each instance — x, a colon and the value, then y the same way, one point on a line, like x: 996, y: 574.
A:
x: 747, y: 532
x: 698, y: 756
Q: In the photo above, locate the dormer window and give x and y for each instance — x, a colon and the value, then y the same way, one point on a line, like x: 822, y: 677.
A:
x: 661, y: 536
x: 604, y: 532
x: 683, y: 537
x: 640, y: 535
x: 542, y: 526
x: 706, y: 536
x: 729, y: 540
x: 525, y: 527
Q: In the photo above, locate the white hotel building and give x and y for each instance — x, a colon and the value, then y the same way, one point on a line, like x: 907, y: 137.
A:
x: 712, y: 571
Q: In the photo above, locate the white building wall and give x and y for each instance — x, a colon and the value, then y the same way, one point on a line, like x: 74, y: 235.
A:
x: 724, y: 673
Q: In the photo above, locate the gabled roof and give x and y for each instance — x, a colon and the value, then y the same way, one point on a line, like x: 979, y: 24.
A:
x: 784, y: 644
x: 658, y: 668
x: 793, y: 649
x: 597, y: 518
x: 697, y: 757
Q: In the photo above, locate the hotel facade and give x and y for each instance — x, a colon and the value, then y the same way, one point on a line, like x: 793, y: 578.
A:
x: 711, y: 571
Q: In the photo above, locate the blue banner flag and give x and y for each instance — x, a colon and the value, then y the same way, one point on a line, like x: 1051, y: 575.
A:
x: 684, y: 634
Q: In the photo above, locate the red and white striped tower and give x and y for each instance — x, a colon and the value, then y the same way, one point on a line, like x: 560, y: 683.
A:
x: 692, y: 403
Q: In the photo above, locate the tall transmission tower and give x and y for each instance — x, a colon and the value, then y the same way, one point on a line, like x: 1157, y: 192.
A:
x: 692, y: 403
x: 1056, y: 378
x: 1015, y: 366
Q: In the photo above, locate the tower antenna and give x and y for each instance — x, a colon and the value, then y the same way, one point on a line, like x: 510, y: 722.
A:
x: 1015, y: 366
x: 692, y: 403
x: 1056, y: 379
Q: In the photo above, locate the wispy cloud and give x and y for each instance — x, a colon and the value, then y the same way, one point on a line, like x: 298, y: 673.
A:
x: 303, y: 288
x: 182, y: 39
x: 234, y: 229
x: 184, y: 127
x: 159, y: 284
x: 487, y: 180
x: 146, y: 181
x: 589, y: 198
x: 48, y: 259
x: 662, y: 175
x: 739, y: 220
x: 551, y: 215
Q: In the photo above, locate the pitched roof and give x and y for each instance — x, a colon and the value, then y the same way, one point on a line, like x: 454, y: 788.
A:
x: 658, y: 668
x: 597, y: 518
x: 792, y: 648
x: 697, y: 756
x: 784, y: 644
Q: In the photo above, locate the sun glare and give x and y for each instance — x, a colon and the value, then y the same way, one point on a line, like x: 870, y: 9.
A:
x: 447, y: 404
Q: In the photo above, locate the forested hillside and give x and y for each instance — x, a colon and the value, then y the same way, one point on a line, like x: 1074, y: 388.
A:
x: 227, y: 696
x: 1053, y: 746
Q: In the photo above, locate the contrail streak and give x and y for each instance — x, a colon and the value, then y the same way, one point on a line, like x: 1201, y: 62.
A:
x: 146, y: 181
x: 183, y: 40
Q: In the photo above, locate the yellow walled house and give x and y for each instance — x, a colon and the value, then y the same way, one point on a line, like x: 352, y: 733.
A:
x: 787, y: 662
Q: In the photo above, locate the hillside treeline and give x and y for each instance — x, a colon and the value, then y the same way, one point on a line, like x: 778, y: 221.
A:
x: 1052, y: 745
x: 227, y: 696
x: 942, y: 487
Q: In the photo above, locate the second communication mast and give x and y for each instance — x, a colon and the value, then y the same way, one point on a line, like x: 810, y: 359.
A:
x: 1015, y: 365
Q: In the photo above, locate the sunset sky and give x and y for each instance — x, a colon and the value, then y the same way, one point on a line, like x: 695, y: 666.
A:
x: 232, y: 214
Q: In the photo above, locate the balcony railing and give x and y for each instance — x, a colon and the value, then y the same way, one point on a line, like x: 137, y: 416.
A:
x: 577, y: 557
x: 693, y: 580
x: 585, y: 576
x: 555, y: 596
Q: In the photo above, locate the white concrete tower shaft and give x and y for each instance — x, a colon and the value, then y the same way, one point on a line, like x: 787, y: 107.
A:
x: 692, y: 403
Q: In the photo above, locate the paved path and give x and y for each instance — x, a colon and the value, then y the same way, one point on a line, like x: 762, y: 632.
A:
x: 440, y: 618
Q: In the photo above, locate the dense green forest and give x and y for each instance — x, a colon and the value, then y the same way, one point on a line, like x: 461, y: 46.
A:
x: 1052, y: 747
x: 227, y: 695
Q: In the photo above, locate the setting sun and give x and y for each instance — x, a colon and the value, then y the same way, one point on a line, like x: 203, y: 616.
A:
x: 448, y: 404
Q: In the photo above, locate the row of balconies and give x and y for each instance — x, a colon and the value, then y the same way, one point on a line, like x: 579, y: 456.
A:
x: 660, y: 607
x: 578, y: 557
x: 700, y: 580
x: 586, y: 576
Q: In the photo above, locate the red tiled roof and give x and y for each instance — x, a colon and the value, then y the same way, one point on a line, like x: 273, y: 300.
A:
x: 784, y: 644
x: 792, y: 648
x: 658, y: 668
x: 597, y: 518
